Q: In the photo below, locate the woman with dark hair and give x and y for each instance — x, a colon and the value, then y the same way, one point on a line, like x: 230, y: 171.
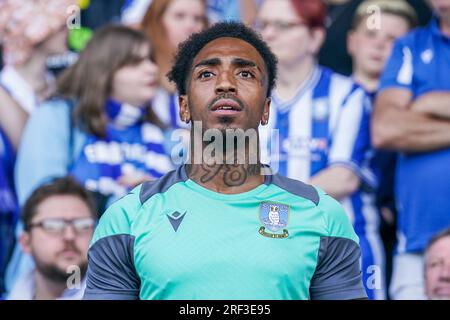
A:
x: 101, y: 128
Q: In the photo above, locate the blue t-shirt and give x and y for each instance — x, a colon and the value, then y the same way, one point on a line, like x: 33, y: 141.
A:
x: 420, y: 63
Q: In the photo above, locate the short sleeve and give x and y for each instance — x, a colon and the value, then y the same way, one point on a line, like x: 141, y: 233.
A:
x: 338, y: 272
x: 399, y: 69
x: 111, y: 272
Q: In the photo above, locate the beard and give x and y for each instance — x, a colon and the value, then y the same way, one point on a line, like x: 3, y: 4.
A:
x: 53, y: 272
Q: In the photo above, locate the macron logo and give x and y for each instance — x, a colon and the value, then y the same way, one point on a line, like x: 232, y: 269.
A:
x: 175, y: 219
x: 427, y: 56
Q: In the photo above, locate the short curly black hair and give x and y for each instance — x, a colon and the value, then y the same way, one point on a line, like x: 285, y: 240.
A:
x: 188, y: 50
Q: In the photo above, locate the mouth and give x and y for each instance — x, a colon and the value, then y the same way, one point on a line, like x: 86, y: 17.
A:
x: 68, y: 254
x: 443, y: 291
x: 226, y: 107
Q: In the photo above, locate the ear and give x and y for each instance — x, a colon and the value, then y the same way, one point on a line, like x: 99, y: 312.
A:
x: 318, y: 37
x: 185, y: 114
x: 351, y: 42
x: 25, y: 242
x: 266, y: 112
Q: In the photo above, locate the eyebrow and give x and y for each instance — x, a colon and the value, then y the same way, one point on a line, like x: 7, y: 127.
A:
x: 208, y: 62
x: 239, y: 62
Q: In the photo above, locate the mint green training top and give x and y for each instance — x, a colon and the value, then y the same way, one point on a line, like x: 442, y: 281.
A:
x: 174, y: 239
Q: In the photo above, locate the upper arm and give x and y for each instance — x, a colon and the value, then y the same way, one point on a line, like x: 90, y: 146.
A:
x: 43, y: 152
x: 338, y: 273
x: 351, y: 145
x: 111, y: 272
x: 396, y: 88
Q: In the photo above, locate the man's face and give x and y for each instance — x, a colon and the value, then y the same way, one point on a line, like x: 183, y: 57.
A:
x: 54, y: 251
x: 227, y: 88
x: 441, y: 7
x: 371, y: 47
x: 437, y: 270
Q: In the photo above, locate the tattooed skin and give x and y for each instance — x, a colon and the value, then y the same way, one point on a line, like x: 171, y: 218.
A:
x: 232, y: 175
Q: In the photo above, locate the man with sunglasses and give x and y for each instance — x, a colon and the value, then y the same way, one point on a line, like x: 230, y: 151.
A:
x: 59, y: 220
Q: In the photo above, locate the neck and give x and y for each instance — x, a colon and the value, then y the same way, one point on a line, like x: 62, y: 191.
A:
x: 33, y: 71
x: 226, y: 178
x: 369, y: 82
x: 47, y: 289
x: 227, y: 175
x: 291, y: 77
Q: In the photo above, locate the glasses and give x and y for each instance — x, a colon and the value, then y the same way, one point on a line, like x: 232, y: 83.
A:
x: 278, y: 25
x: 58, y: 226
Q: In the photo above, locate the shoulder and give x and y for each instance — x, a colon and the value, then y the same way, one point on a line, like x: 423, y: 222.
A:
x: 297, y: 188
x: 119, y: 217
x: 414, y: 39
x: 337, y: 221
x: 51, y: 110
x: 161, y: 185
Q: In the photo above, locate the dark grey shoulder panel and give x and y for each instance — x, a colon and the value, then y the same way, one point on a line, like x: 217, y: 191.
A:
x: 149, y: 189
x: 111, y: 273
x: 338, y: 273
x: 297, y: 187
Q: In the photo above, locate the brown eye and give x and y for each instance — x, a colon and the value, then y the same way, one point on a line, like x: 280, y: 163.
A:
x: 205, y: 74
x: 246, y: 74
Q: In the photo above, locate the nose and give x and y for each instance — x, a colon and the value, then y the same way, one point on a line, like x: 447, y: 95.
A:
x: 149, y: 70
x: 150, y: 66
x: 226, y: 83
x: 380, y: 42
x: 69, y: 233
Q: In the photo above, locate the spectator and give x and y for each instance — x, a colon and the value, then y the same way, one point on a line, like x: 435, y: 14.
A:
x: 103, y: 130
x: 232, y: 10
x: 339, y: 19
x: 58, y: 220
x: 412, y: 117
x: 370, y: 44
x: 217, y: 10
x: 437, y: 266
x: 322, y: 119
x: 31, y: 31
x: 168, y: 23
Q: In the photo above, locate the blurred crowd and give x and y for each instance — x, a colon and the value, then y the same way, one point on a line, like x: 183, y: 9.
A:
x: 361, y: 108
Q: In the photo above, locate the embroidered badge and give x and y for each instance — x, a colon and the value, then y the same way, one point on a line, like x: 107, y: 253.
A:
x: 275, y: 218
